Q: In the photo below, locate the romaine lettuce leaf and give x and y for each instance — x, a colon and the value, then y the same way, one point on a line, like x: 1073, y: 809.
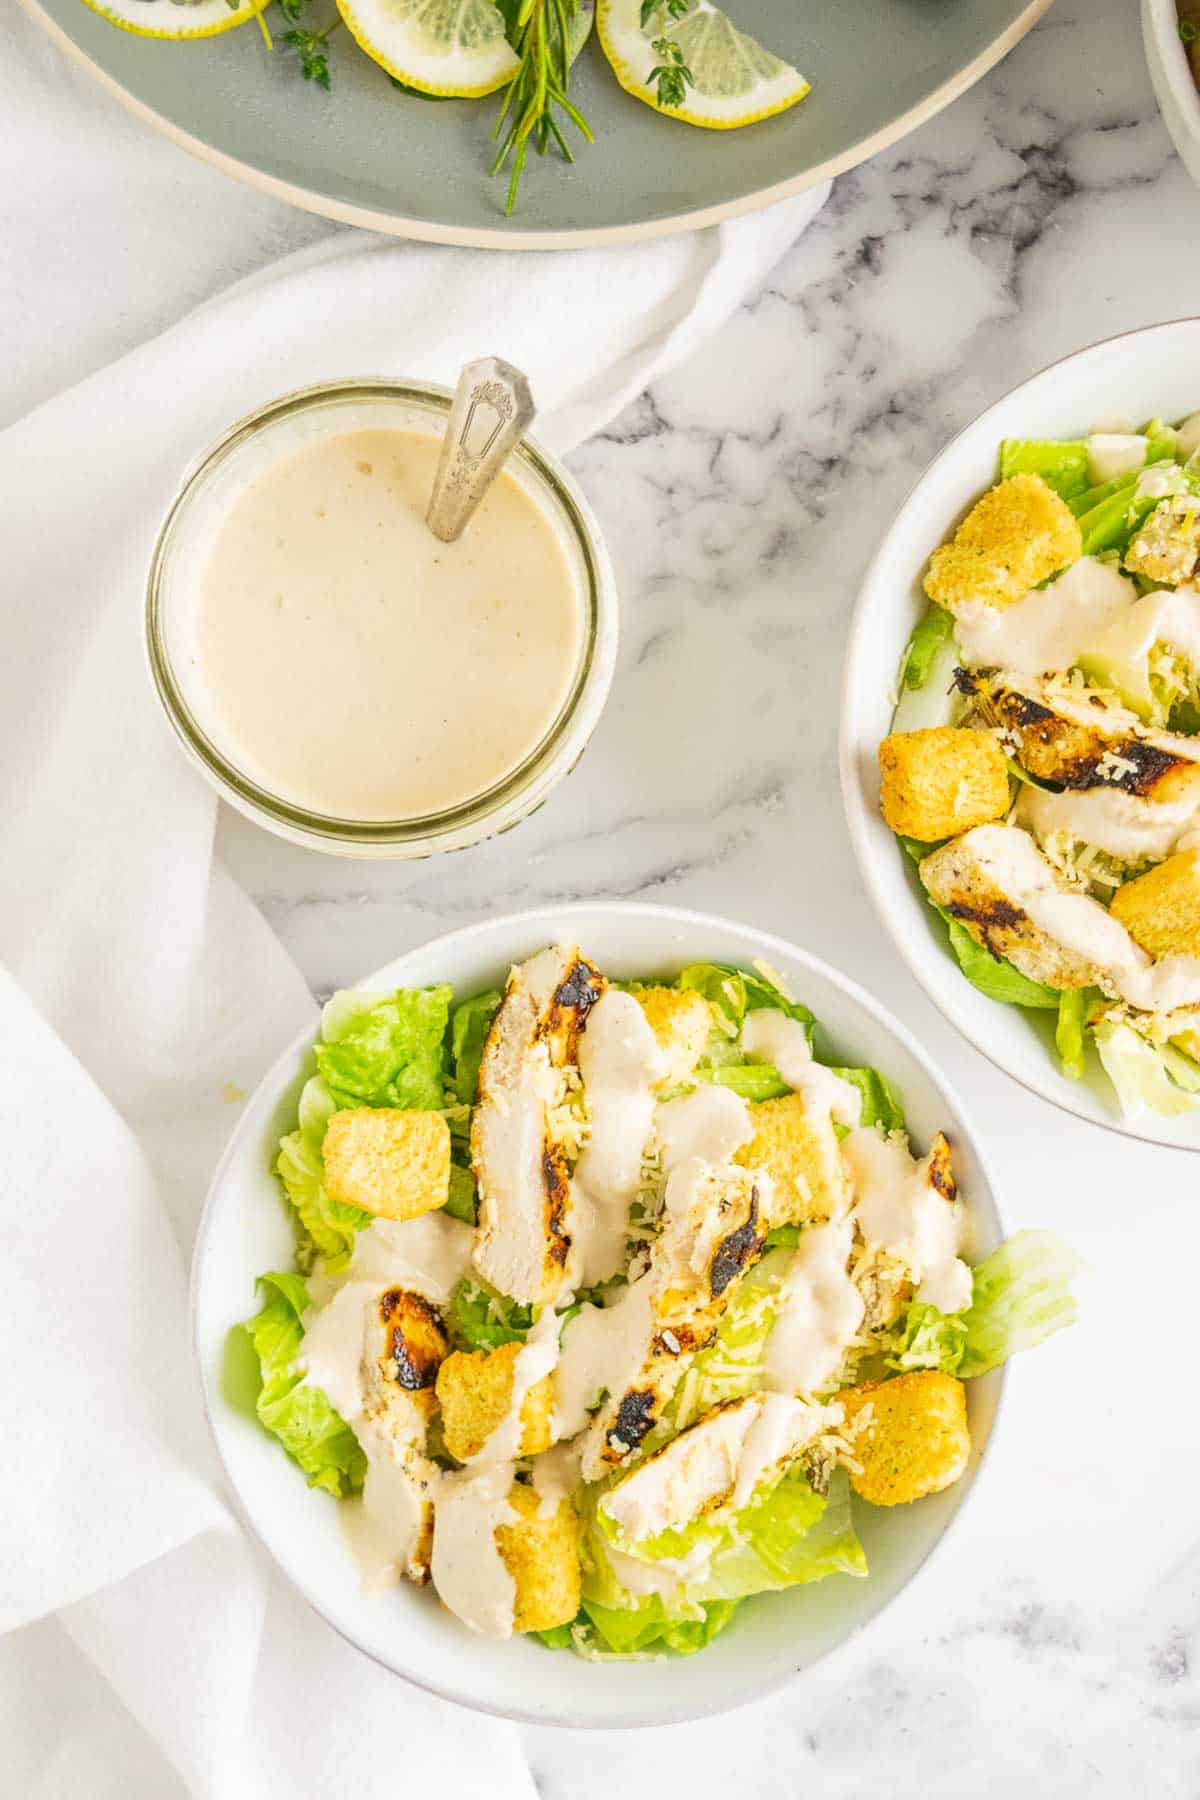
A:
x: 327, y: 1228
x: 485, y: 1319
x: 930, y: 633
x: 599, y: 1632
x: 787, y: 1535
x: 1020, y: 1295
x: 1139, y: 1072
x: 734, y: 992
x: 995, y: 976
x: 470, y: 1023
x: 753, y: 1081
x: 386, y: 1052
x: 313, y: 1434
x: 881, y: 1103
x: 1062, y: 464
x: 1070, y: 1036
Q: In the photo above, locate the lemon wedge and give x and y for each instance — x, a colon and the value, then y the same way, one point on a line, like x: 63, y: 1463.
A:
x: 439, y: 46
x: 734, y: 80
x: 176, y: 18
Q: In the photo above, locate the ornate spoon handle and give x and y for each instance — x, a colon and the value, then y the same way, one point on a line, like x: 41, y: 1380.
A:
x: 490, y: 413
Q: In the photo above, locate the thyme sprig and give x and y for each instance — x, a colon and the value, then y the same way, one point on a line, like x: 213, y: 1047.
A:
x: 540, y: 35
x: 671, y: 75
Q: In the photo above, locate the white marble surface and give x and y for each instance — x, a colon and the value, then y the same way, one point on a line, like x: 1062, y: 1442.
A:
x: 1053, y: 1646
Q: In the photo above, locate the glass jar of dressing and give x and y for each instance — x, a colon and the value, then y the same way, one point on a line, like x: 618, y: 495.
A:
x: 343, y: 677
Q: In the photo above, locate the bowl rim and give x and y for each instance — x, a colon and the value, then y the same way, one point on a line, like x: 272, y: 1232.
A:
x: 1160, y: 22
x: 861, y: 822
x: 502, y: 238
x: 766, y: 942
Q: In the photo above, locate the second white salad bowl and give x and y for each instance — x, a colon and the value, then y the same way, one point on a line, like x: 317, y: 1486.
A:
x: 1138, y: 375
x: 245, y: 1230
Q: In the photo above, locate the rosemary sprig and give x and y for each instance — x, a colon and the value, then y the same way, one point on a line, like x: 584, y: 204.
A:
x: 540, y: 35
x: 672, y: 75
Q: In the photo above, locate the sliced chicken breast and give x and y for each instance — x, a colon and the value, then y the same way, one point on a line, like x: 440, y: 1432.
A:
x: 523, y: 1236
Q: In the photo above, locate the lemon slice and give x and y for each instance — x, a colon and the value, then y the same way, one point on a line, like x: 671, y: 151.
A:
x: 439, y: 46
x: 734, y: 80
x: 176, y: 18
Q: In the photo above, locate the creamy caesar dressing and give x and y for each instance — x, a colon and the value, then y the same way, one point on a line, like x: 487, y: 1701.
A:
x: 818, y: 1312
x: 711, y: 1123
x: 469, y: 1573
x: 1132, y: 828
x: 898, y: 1210
x: 621, y: 1063
x: 365, y: 669
x: 1114, y: 453
x: 428, y: 1255
x: 385, y: 1526
x: 603, y: 1349
x: 335, y: 1343
x: 1080, y: 924
x: 1051, y: 627
x: 556, y: 1477
x: 772, y: 1037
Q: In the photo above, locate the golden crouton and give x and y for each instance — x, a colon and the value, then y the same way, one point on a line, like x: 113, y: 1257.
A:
x: 474, y: 1390
x: 1161, y: 909
x: 1167, y: 548
x: 390, y: 1163
x: 942, y: 781
x: 799, y: 1151
x: 908, y: 1436
x: 542, y: 1556
x: 681, y: 1021
x: 1018, y: 535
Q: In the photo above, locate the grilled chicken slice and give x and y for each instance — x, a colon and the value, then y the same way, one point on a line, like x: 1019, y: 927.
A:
x: 523, y: 1236
x: 1081, y: 740
x: 984, y: 880
x: 716, y: 1463
x: 713, y: 1229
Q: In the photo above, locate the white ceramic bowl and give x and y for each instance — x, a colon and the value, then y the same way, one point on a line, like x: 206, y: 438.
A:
x: 244, y: 1231
x: 1174, y: 84
x: 1138, y: 374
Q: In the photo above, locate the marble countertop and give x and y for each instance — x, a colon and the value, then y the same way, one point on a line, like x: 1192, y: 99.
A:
x: 1053, y: 1644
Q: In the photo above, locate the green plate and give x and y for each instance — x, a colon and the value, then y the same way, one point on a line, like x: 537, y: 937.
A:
x: 371, y: 156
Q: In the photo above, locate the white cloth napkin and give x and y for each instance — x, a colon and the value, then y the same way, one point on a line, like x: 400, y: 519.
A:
x: 150, y: 1650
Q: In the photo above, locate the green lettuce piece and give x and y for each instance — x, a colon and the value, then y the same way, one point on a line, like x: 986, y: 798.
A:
x: 734, y: 992
x: 1162, y: 441
x: 313, y: 1434
x: 1111, y: 523
x: 470, y: 1023
x: 386, y: 1052
x: 603, y: 1631
x: 461, y: 1204
x: 881, y: 1104
x: 1074, y: 1009
x: 486, y: 1319
x: 1062, y: 465
x: 995, y: 976
x: 1139, y: 1072
x: 786, y: 1536
x: 931, y: 632
x: 327, y: 1228
x: 753, y: 1081
x: 1182, y: 1067
x: 929, y: 1339
x: 1020, y: 1295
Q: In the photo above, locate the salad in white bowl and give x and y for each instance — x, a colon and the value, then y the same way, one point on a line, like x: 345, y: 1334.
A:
x: 617, y: 1303
x: 1043, y: 770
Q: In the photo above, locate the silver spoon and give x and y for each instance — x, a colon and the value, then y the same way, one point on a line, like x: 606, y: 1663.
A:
x: 490, y: 413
